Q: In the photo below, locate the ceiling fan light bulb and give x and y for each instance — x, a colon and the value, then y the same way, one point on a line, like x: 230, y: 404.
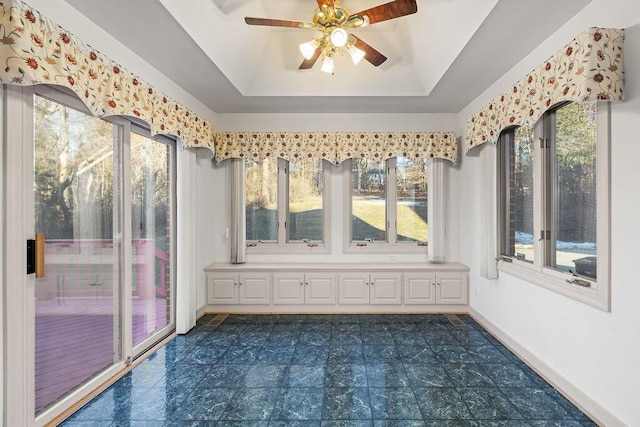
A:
x: 339, y: 37
x: 356, y: 54
x: 327, y: 65
x: 307, y: 49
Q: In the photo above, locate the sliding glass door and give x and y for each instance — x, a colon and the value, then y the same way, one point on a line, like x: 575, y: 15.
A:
x: 103, y: 197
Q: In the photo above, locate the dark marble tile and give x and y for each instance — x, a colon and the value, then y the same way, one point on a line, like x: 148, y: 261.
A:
x: 265, y: 376
x: 451, y: 423
x: 204, y: 404
x: 251, y: 404
x: 555, y: 423
x: 453, y: 354
x: 346, y: 318
x: 242, y: 424
x: 288, y: 327
x: 156, y: 404
x: 290, y: 423
x: 225, y: 376
x: 349, y: 375
x: 240, y: 355
x: 183, y: 375
x: 402, y: 338
x: 317, y: 327
x: 346, y: 354
x: 374, y: 327
x: 204, y: 355
x: 380, y: 354
x: 285, y: 338
x: 346, y: 338
x: 139, y: 423
x: 440, y: 338
x: 347, y: 423
x: 106, y: 406
x: 398, y: 423
x: 270, y: 355
x: 535, y: 403
x: 487, y: 353
x: 338, y: 328
x: 253, y: 339
x: 416, y: 354
x: 387, y: 375
x: 377, y: 338
x: 441, y: 403
x: 346, y: 404
x: 76, y: 423
x: 468, y: 336
x: 259, y: 327
x: 188, y: 339
x: 488, y: 403
x: 467, y: 375
x: 394, y: 404
x: 310, y: 355
x: 403, y: 327
x: 502, y: 423
x: 291, y: 318
x: 574, y: 412
x: 222, y: 339
x: 169, y: 354
x: 144, y: 375
x: 230, y: 328
x: 318, y: 319
x: 427, y: 375
x: 299, y: 404
x: 185, y: 423
x: 305, y: 376
x: 315, y: 338
x: 507, y: 375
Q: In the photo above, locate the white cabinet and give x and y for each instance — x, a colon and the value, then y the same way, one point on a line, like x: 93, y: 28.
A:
x: 304, y: 288
x: 435, y: 288
x: 370, y: 288
x: 244, y: 288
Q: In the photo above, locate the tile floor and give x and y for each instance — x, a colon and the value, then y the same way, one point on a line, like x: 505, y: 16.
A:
x: 332, y: 370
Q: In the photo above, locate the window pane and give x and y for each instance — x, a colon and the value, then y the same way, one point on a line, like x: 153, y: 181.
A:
x: 151, y: 237
x: 411, y: 184
x: 517, y: 194
x: 574, y: 189
x: 368, y: 200
x: 261, y: 200
x: 305, y: 200
x: 76, y: 326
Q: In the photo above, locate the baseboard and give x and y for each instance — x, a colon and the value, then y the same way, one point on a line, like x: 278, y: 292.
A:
x: 593, y: 409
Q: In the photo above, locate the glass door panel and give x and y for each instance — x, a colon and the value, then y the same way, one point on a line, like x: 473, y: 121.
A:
x: 151, y: 238
x: 76, y: 302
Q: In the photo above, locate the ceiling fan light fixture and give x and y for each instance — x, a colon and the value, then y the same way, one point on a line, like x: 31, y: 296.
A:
x: 339, y: 37
x: 327, y: 65
x: 356, y: 54
x: 307, y: 49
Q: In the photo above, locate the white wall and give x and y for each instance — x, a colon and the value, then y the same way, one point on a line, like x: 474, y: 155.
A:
x: 595, y: 351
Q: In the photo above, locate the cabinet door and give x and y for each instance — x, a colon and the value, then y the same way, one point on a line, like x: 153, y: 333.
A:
x: 320, y: 288
x: 288, y: 288
x: 222, y: 288
x: 254, y: 288
x: 419, y: 288
x: 385, y: 288
x: 451, y: 289
x: 353, y: 288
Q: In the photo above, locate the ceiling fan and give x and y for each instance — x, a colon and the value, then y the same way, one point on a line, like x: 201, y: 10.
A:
x: 333, y: 20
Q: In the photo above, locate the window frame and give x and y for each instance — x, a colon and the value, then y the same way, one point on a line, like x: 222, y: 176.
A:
x: 282, y: 245
x: 594, y: 292
x: 391, y: 245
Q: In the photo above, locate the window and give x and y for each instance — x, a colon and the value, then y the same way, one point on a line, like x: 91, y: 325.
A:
x: 553, y: 198
x: 387, y: 205
x: 286, y: 204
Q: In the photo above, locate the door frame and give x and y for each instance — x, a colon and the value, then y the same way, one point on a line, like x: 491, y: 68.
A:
x: 18, y: 309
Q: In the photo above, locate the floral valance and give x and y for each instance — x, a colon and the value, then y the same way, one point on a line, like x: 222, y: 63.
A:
x: 589, y: 68
x: 35, y: 50
x: 336, y: 147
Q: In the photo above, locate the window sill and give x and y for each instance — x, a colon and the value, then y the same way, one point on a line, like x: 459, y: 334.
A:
x: 289, y: 249
x: 385, y: 248
x: 596, y: 295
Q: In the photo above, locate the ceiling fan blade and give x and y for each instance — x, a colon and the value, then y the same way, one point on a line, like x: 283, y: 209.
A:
x: 370, y: 54
x: 308, y: 63
x: 277, y: 23
x: 330, y: 3
x: 391, y: 10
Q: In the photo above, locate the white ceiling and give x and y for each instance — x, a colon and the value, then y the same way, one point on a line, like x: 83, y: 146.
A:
x: 439, y: 59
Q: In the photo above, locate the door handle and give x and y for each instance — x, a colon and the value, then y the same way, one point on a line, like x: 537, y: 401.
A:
x: 39, y: 255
